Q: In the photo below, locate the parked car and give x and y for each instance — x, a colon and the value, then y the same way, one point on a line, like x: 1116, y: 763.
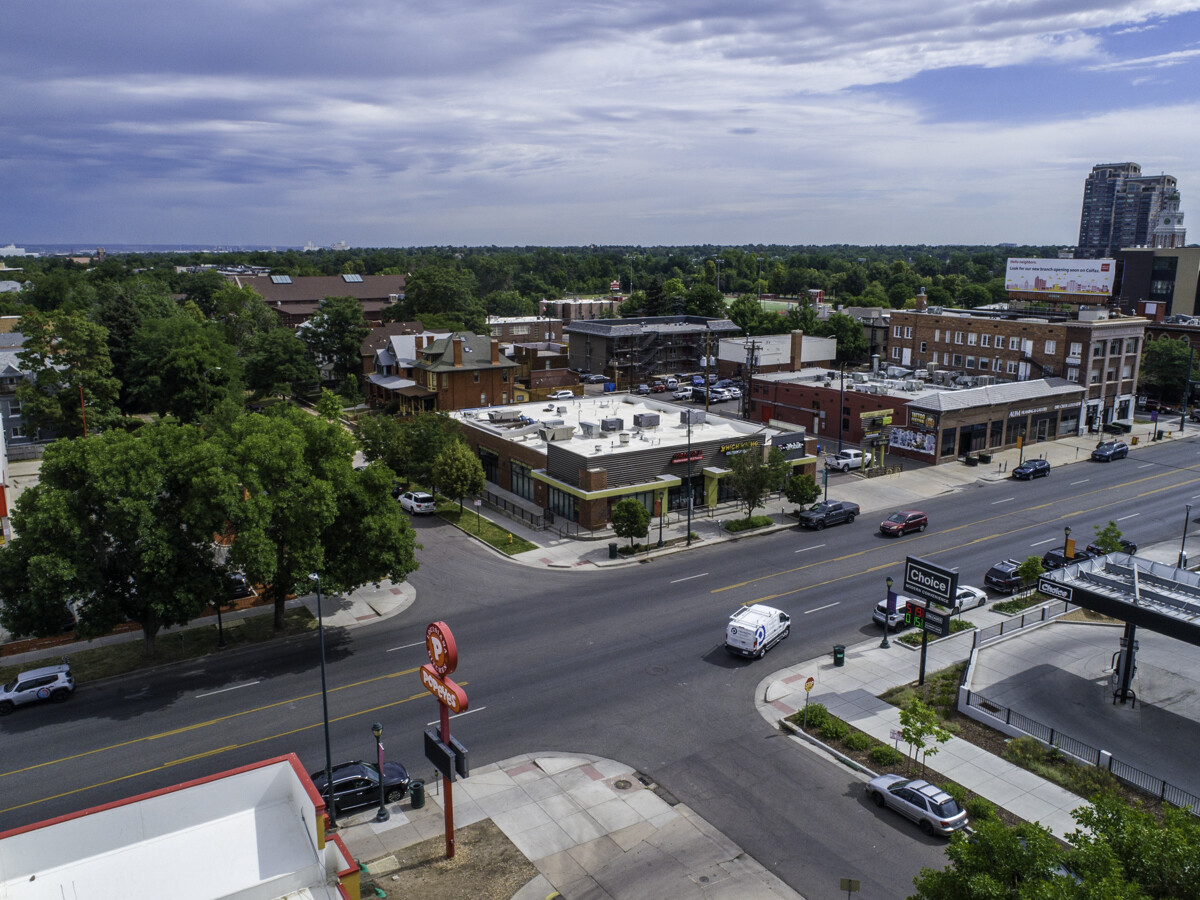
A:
x: 828, y: 512
x: 237, y: 585
x: 717, y: 395
x: 683, y: 394
x: 967, y: 597
x: 657, y: 388
x: 734, y: 393
x: 903, y: 522
x: 753, y: 630
x: 415, y: 502
x: 895, y: 621
x: 724, y: 383
x: 698, y: 381
x: 357, y: 783
x: 926, y: 804
x: 1031, y: 469
x: 845, y: 460
x: 1126, y: 547
x: 45, y: 683
x: 672, y: 383
x: 1056, y: 559
x: 1107, y: 451
x: 1003, y: 576
x: 593, y: 379
x: 562, y: 395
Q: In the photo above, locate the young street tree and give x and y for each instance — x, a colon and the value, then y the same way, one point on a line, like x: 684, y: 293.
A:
x: 630, y: 519
x: 802, y: 490
x: 919, y: 723
x: 752, y: 479
x: 120, y: 526
x: 458, y: 472
x: 305, y: 509
x: 1108, y: 538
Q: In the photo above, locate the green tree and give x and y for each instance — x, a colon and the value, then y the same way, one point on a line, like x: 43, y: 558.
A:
x: 382, y: 439
x: 704, y: 299
x: 751, y: 478
x: 185, y: 369
x: 422, y: 439
x: 630, y: 519
x: 458, y: 472
x: 918, y: 724
x: 71, y: 374
x: 442, y: 290
x: 1164, y: 370
x: 1108, y: 537
x: 242, y: 314
x: 275, y: 360
x: 851, y: 337
x: 305, y: 509
x: 1031, y: 569
x: 802, y: 490
x: 121, y: 527
x: 329, y: 405
x: 335, y: 334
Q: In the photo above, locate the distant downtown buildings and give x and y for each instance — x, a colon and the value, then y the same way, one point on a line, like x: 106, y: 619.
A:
x: 1123, y: 208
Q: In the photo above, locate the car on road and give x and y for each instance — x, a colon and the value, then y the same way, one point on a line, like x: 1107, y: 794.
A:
x: 753, y: 630
x: 683, y: 394
x: 416, y: 502
x: 967, y: 597
x: 1056, y: 559
x: 895, y: 621
x: 357, y: 783
x: 593, y: 379
x: 1107, y: 451
x: 54, y: 683
x: 926, y: 804
x: 1031, y: 469
x: 845, y: 460
x: 903, y: 522
x: 1126, y: 547
x: 828, y: 512
x: 642, y: 389
x: 562, y: 395
x: 734, y: 393
x: 1003, y: 576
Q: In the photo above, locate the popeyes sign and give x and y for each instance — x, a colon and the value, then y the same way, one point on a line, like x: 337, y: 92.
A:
x: 443, y: 659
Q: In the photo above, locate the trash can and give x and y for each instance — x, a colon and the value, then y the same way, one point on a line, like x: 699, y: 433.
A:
x: 612, y: 551
x: 1158, y: 435
x: 839, y: 654
x: 417, y: 791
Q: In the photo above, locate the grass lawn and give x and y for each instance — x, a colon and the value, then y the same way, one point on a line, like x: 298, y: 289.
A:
x: 117, y: 659
x: 483, y: 528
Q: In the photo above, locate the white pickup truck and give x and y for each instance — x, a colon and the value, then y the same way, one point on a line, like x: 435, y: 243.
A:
x: 845, y: 460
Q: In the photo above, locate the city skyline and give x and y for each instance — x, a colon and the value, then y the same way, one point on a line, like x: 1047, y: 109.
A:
x: 516, y: 124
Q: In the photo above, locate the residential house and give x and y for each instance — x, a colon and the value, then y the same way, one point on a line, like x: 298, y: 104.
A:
x: 464, y: 371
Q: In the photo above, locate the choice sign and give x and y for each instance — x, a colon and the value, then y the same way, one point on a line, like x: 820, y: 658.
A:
x: 443, y: 659
x: 931, y: 582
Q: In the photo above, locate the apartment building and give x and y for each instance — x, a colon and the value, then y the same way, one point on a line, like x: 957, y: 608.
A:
x: 1098, y: 350
x: 1123, y: 208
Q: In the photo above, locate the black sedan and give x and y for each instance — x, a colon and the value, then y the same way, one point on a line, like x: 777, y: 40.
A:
x: 357, y: 783
x: 1031, y: 469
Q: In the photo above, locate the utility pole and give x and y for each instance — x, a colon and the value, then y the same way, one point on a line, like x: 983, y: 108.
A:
x: 841, y: 406
x: 1187, y: 387
x: 752, y: 347
x: 718, y: 262
x: 707, y: 380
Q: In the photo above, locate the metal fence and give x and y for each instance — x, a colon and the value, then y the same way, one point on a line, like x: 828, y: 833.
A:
x: 1035, y: 616
x: 1086, y: 753
x: 513, y: 510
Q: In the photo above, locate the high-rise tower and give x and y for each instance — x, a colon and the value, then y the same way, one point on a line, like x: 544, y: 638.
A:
x: 1121, y: 208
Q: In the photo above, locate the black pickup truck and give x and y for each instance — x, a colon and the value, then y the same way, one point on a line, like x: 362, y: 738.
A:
x: 828, y: 512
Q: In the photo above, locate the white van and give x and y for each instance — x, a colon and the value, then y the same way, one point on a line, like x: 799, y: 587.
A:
x: 753, y: 630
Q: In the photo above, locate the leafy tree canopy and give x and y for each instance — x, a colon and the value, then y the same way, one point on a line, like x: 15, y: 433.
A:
x: 458, y: 472
x: 630, y: 519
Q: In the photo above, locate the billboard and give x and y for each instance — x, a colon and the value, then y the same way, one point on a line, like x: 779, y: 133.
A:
x: 1060, y: 276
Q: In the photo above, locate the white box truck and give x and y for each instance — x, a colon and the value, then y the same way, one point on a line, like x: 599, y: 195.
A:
x: 753, y: 630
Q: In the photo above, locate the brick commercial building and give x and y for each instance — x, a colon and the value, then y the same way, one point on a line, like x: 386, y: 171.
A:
x: 520, y: 329
x: 295, y: 300
x: 1169, y: 278
x: 572, y: 461
x: 1098, y: 350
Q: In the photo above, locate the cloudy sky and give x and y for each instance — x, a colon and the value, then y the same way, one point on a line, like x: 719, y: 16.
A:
x: 519, y: 122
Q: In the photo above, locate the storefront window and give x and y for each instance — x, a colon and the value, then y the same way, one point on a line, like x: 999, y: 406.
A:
x: 997, y: 435
x: 522, y: 481
x: 1069, y: 423
x: 1016, y: 428
x: 563, y: 504
x: 949, y: 436
x: 491, y: 465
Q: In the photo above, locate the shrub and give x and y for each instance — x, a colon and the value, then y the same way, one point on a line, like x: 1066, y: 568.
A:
x: 883, y: 755
x: 834, y: 729
x: 1024, y: 751
x: 818, y: 715
x: 957, y: 791
x: 980, y: 809
x: 857, y: 740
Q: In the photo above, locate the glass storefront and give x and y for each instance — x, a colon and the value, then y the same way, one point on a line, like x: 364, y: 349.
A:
x: 563, y: 505
x: 522, y: 481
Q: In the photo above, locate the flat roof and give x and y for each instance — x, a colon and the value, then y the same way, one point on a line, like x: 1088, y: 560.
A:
x: 526, y: 423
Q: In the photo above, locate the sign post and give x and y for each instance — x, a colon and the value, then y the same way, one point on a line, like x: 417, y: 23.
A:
x: 443, y: 659
x: 934, y: 584
x: 808, y: 686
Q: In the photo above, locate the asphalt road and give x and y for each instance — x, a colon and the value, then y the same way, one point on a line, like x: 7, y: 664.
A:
x: 625, y: 663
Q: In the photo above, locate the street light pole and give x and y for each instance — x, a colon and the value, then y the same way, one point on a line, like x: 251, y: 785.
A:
x: 630, y: 258
x: 718, y: 262
x: 377, y: 729
x: 688, y: 492
x: 887, y: 616
x: 758, y: 279
x: 1066, y: 539
x: 1183, y: 541
x: 325, y: 709
x: 841, y: 405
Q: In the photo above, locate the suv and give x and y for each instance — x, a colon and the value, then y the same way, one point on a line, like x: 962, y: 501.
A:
x: 903, y: 522
x: 828, y: 512
x: 1107, y: 451
x: 418, y: 502
x: 1003, y: 576
x: 845, y: 460
x: 643, y: 389
x: 561, y: 395
x: 1031, y: 469
x: 1056, y: 559
x: 47, y: 683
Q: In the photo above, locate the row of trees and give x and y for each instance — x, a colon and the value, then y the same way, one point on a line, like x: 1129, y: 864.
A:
x: 143, y: 525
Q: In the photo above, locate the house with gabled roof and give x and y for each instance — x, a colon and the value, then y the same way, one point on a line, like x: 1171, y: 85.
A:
x: 465, y: 371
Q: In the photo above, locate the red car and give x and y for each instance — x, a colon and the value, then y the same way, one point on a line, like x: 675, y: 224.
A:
x: 903, y: 522
x: 657, y: 388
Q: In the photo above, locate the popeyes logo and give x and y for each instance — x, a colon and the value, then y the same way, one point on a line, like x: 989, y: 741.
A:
x: 443, y: 653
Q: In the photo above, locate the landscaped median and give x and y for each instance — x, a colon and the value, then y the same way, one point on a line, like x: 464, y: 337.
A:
x: 482, y: 528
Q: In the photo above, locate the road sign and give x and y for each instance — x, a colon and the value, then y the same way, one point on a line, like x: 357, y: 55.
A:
x: 930, y: 581
x: 808, y: 684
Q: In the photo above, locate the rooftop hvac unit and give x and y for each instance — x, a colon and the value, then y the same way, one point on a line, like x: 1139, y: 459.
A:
x: 645, y: 420
x: 589, y: 429
x: 562, y: 410
x: 912, y: 385
x: 694, y: 416
x: 557, y: 433
x: 612, y: 424
x: 624, y: 437
x: 860, y: 377
x: 503, y: 415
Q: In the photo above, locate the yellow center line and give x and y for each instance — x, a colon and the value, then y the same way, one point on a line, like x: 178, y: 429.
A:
x: 217, y: 752
x: 206, y: 724
x: 969, y: 543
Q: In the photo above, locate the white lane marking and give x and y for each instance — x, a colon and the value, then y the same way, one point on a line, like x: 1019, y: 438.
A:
x: 1086, y: 480
x: 1048, y: 541
x: 813, y: 547
x: 236, y: 687
x: 457, y: 715
x: 1005, y: 500
x: 689, y: 578
x: 1146, y: 466
x: 819, y: 608
x: 406, y: 646
x: 1194, y: 496
x: 1130, y: 516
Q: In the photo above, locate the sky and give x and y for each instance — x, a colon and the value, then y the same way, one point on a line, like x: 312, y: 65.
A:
x: 655, y: 122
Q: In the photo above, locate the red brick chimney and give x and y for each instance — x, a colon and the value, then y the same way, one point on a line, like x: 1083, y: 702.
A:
x: 495, y: 353
x: 457, y: 342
